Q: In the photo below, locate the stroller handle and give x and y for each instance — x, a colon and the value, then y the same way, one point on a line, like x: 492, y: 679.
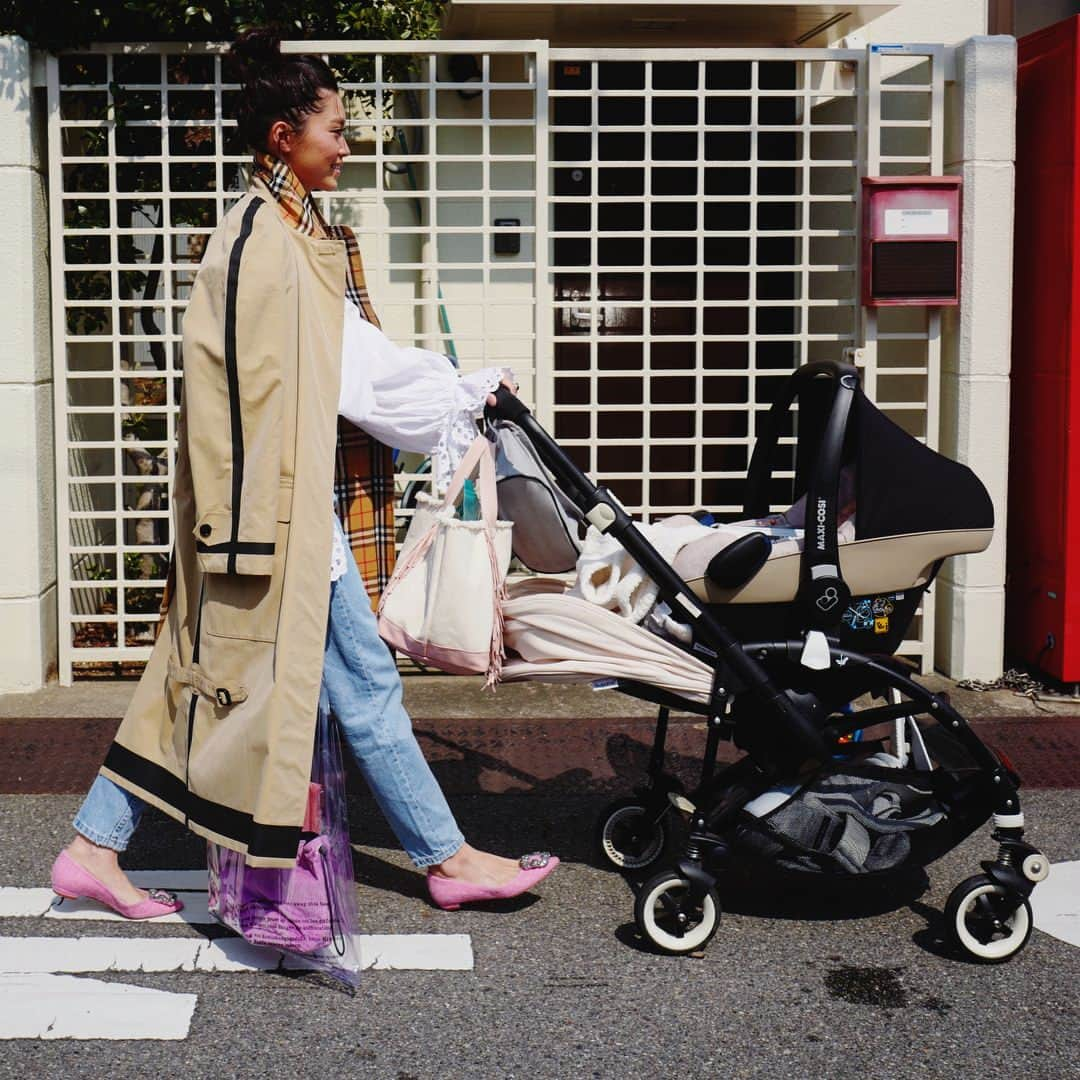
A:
x: 508, y: 406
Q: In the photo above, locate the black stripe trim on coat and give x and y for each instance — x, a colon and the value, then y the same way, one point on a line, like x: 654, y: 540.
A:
x: 266, y: 841
x: 194, y: 697
x: 232, y: 373
x: 239, y: 547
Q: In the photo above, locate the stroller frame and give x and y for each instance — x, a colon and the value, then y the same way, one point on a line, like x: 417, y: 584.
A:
x: 988, y: 916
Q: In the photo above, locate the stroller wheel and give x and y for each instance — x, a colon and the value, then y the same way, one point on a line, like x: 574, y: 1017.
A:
x: 978, y: 920
x: 667, y: 917
x: 629, y: 835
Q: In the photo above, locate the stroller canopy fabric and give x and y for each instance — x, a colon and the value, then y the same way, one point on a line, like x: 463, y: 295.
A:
x: 560, y: 638
x: 904, y: 487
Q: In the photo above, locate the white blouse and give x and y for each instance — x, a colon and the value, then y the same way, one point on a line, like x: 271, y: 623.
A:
x: 408, y: 398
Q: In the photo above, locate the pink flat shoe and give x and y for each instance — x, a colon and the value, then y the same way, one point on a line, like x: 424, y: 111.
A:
x: 72, y: 882
x: 450, y: 894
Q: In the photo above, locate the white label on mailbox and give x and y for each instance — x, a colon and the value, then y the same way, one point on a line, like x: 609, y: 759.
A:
x: 913, y: 222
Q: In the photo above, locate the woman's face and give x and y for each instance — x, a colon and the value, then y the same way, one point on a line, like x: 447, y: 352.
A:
x: 314, y: 154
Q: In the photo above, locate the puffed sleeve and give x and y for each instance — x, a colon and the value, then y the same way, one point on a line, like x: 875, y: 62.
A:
x: 410, y: 398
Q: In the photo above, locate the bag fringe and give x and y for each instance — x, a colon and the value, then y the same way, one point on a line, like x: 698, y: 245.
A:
x: 498, y: 597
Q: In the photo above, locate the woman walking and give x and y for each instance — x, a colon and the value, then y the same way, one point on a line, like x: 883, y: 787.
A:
x: 267, y: 602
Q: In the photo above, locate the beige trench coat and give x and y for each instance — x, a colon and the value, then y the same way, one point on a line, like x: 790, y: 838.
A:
x: 220, y: 731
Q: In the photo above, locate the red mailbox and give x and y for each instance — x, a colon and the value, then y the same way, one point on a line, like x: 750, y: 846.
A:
x: 911, y: 241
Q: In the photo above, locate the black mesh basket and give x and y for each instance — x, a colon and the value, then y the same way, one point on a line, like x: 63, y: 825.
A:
x: 862, y: 818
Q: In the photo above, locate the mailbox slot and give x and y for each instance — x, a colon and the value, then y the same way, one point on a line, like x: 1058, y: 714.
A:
x: 911, y: 241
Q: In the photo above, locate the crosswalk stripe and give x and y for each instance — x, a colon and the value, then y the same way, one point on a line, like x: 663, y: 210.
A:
x: 1055, y: 903
x: 44, y: 993
x: 380, y: 952
x: 44, y: 903
x: 39, y: 955
x: 63, y: 1007
x: 416, y: 952
x: 173, y: 880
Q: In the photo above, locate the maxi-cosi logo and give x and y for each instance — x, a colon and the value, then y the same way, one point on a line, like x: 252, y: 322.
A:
x: 821, y: 505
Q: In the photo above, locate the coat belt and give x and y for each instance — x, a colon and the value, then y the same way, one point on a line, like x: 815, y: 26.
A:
x: 195, y: 677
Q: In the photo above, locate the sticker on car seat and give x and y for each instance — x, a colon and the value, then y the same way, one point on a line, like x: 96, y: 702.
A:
x: 860, y: 616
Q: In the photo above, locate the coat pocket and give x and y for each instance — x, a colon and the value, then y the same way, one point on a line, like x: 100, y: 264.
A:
x: 244, y: 605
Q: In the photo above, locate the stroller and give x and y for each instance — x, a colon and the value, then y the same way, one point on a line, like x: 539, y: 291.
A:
x: 849, y: 768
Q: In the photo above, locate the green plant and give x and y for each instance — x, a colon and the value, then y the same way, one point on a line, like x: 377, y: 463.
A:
x: 87, y: 21
x: 136, y: 426
x: 139, y: 565
x: 90, y: 570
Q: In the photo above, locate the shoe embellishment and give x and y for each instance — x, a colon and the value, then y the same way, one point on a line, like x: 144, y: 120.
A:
x: 160, y: 896
x: 535, y: 860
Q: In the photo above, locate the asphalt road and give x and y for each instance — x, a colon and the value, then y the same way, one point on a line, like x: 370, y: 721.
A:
x: 790, y: 987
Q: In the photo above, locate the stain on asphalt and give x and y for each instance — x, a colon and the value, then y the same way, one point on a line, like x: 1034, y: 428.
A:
x: 878, y: 986
x: 936, y: 1004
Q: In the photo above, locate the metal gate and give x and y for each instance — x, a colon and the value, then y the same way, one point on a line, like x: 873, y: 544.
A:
x: 441, y: 187
x: 704, y: 221
x: 699, y: 241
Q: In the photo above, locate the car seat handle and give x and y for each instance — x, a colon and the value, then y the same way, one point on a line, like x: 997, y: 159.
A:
x: 823, y: 595
x: 769, y: 425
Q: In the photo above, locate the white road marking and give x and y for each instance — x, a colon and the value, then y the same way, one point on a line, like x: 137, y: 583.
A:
x: 173, y: 880
x: 416, y: 952
x: 41, y: 997
x: 380, y: 952
x: 63, y: 1007
x: 1055, y: 902
x: 37, y: 955
x: 34, y: 903
x: 25, y: 903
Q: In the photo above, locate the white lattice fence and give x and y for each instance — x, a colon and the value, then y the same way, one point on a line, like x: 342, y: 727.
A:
x: 143, y: 163
x: 650, y: 238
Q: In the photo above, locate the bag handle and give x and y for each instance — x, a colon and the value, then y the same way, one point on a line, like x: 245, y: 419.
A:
x: 337, y: 936
x: 481, y: 452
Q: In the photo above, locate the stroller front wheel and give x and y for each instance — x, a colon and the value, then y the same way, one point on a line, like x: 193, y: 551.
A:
x: 667, y: 916
x: 984, y: 920
x: 630, y: 835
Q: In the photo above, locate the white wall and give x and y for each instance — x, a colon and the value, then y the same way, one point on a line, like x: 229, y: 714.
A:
x: 486, y: 322
x: 27, y: 488
x: 980, y: 146
x: 946, y: 22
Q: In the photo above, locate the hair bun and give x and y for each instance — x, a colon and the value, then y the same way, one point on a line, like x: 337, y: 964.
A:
x: 256, y: 48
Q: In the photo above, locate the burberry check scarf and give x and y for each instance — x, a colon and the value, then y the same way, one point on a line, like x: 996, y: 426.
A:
x: 364, y: 468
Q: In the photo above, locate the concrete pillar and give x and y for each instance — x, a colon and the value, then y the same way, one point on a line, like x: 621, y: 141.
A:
x: 27, y: 475
x: 980, y: 146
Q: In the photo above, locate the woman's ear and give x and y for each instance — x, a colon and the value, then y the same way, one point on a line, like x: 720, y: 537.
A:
x: 280, y: 138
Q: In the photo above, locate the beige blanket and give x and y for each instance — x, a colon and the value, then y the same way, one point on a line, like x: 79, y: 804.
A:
x: 563, y: 638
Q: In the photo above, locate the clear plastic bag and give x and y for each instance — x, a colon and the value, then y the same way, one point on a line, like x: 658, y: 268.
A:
x: 308, y: 912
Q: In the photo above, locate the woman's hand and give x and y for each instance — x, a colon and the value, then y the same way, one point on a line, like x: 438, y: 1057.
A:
x: 509, y: 384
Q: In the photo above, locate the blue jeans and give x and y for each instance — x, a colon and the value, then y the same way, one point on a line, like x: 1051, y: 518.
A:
x: 364, y: 689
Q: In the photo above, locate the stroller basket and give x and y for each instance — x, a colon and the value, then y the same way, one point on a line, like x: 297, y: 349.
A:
x: 857, y: 818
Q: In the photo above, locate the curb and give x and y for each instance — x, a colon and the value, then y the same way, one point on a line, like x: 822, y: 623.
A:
x: 524, y: 755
